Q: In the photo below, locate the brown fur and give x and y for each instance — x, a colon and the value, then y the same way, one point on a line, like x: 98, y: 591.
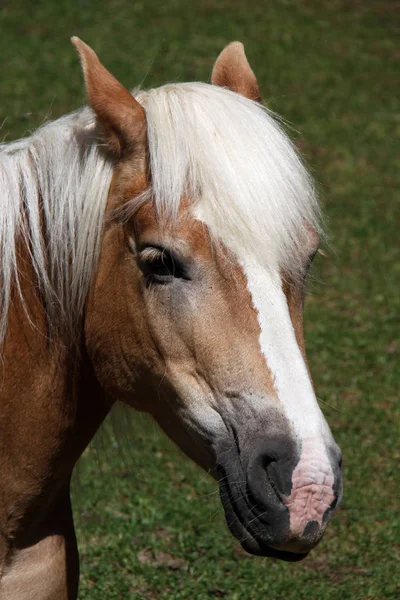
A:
x: 47, y: 419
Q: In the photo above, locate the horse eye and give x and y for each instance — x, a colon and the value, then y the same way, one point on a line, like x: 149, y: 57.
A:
x: 160, y: 265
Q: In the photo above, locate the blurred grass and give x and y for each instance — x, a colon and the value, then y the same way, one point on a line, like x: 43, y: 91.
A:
x: 149, y: 523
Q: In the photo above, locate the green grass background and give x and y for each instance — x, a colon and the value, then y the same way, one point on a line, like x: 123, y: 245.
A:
x: 149, y: 523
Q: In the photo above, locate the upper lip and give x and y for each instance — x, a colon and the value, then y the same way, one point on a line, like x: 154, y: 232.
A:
x: 252, y: 544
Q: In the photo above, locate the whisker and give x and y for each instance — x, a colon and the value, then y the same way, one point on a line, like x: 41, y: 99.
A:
x: 327, y: 404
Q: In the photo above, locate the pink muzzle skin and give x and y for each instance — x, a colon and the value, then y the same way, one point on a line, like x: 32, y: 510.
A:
x: 312, y: 487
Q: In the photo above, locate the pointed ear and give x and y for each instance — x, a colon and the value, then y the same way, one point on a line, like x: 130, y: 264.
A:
x: 123, y: 119
x: 231, y: 70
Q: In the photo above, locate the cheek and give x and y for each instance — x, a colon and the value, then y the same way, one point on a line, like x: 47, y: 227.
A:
x: 208, y: 333
x: 189, y: 331
x: 118, y: 340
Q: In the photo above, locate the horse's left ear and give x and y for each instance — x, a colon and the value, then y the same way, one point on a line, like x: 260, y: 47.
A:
x: 232, y: 70
x: 122, y: 118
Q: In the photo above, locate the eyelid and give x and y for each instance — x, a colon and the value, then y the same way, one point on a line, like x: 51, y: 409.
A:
x: 151, y: 254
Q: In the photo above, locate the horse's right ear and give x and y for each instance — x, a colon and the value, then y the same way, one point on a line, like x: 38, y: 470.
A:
x: 122, y: 117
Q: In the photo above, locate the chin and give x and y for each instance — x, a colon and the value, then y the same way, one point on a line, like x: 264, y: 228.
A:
x: 260, y: 549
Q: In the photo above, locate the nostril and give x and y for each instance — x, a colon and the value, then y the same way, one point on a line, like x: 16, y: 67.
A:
x: 269, y: 474
x: 268, y: 464
x: 266, y: 460
x: 262, y: 484
x: 277, y: 474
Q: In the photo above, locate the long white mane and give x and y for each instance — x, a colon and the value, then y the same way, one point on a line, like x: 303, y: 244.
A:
x: 230, y: 156
x: 226, y: 153
x: 53, y: 190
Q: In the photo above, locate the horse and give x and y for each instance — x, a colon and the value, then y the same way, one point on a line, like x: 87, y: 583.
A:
x: 154, y: 251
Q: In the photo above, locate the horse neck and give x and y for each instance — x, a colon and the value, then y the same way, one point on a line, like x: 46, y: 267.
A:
x: 50, y: 405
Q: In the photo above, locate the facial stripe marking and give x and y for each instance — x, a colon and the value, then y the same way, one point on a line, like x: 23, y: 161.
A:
x: 312, y: 479
x: 281, y: 352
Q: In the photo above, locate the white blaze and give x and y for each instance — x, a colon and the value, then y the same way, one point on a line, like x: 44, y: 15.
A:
x: 312, y: 479
x: 281, y: 352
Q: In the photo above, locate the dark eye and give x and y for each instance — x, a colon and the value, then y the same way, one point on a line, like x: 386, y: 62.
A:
x: 160, y: 265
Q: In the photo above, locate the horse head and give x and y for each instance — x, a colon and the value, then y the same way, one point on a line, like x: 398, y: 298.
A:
x: 195, y: 310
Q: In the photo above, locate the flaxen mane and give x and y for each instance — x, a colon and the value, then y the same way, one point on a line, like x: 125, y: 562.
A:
x: 53, y: 190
